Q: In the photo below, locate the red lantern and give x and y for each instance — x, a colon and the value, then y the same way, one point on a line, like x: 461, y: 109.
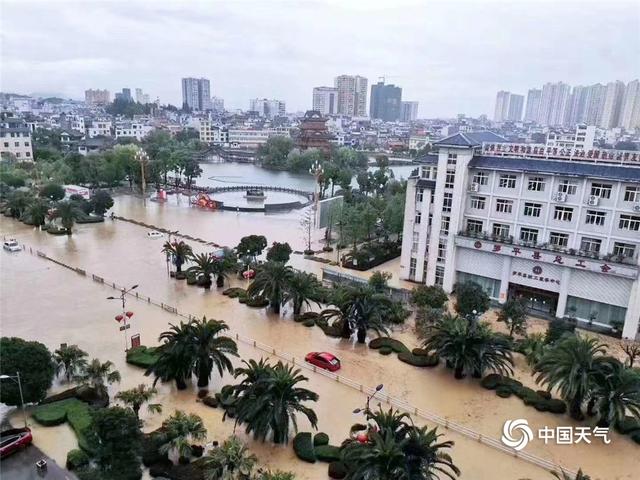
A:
x: 119, y: 318
x: 362, y: 437
x: 129, y: 314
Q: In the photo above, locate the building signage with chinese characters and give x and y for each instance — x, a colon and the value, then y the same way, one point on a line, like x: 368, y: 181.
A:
x: 553, y: 258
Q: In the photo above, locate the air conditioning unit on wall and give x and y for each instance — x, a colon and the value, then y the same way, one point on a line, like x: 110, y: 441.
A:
x: 593, y: 200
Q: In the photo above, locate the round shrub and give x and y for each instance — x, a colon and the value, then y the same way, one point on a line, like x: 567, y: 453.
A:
x: 308, y: 316
x: 503, y: 391
x: 76, y: 458
x: 396, y: 345
x: 210, y: 402
x: 257, y: 302
x: 420, y: 352
x: 321, y: 438
x: 525, y: 392
x: 337, y: 470
x: 385, y: 350
x: 491, y: 381
x: 544, y: 394
x: 327, y: 453
x: 541, y: 405
x: 417, y: 360
x: 191, y: 280
x: 555, y: 405
x: 197, y: 450
x: 511, y: 382
x: 303, y: 447
x: 309, y: 323
x: 202, y: 393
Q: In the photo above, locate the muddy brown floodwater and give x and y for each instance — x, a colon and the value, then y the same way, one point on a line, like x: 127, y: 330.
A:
x: 42, y: 301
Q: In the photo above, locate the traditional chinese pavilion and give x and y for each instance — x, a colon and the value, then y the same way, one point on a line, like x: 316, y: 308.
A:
x: 314, y: 132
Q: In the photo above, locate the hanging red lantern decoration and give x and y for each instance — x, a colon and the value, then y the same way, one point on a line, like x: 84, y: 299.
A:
x: 129, y: 314
x: 362, y: 437
x: 119, y: 318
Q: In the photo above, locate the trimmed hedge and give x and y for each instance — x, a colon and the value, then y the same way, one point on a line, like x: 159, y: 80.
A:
x: 142, y: 356
x: 257, y: 302
x: 74, y: 411
x: 192, y: 280
x: 418, y: 360
x: 234, y: 292
x: 337, y: 470
x: 303, y: 447
x: 541, y: 400
x: 628, y: 425
x: 396, y: 345
x: 307, y: 316
x: 76, y: 458
x: 636, y: 437
x: 544, y: 394
x: 491, y: 381
x: 309, y: 323
x: 52, y: 414
x: 327, y: 453
x: 385, y: 350
x: 210, y: 401
x: 320, y: 438
x: 420, y: 352
x: 504, y: 391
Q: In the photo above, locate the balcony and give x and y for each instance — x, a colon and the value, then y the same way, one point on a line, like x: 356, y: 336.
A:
x: 547, y: 247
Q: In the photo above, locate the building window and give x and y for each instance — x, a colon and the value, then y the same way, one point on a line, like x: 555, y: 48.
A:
x: 632, y: 194
x: 595, y: 217
x: 624, y: 249
x: 478, y: 203
x: 563, y: 214
x: 18, y: 155
x: 444, y: 225
x: 602, y: 190
x: 439, y: 276
x: 412, y: 268
x: 532, y: 209
x: 568, y: 187
x: 500, y: 230
x: 590, y: 244
x: 604, y: 313
x: 480, y: 178
x: 447, y: 202
x: 452, y: 158
x: 474, y: 226
x: 629, y: 222
x: 419, y: 194
x: 489, y: 285
x: 536, y: 184
x: 17, y: 144
x: 418, y: 218
x: 450, y: 178
x: 414, y: 244
x: 6, y: 144
x: 430, y: 219
x: 442, y: 250
x: 559, y: 239
x: 507, y: 181
x: 424, y: 271
x: 28, y: 154
x: 504, y: 206
x: 529, y: 235
x: 26, y: 144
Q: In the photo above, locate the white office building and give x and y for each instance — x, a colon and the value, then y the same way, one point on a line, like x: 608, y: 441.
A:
x: 268, y: 108
x: 15, y: 139
x: 580, y: 137
x: 249, y: 138
x: 133, y: 130
x: 212, y: 134
x: 559, y: 227
x: 325, y: 100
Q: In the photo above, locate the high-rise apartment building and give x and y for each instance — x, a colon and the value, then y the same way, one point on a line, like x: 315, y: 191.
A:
x: 196, y: 93
x: 630, y: 113
x: 508, y: 107
x: 385, y: 102
x: 594, y: 103
x: 352, y: 95
x: 97, y: 97
x: 268, y: 108
x: 612, y: 104
x: 217, y: 104
x: 553, y: 103
x: 534, y: 97
x: 408, y: 111
x: 325, y: 100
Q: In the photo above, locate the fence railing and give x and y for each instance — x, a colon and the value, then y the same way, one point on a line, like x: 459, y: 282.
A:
x: 287, y: 357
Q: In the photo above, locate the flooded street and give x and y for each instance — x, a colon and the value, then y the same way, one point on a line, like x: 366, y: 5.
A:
x: 43, y: 301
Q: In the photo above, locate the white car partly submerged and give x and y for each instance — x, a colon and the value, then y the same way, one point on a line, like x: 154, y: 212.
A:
x: 11, y: 245
x: 155, y: 234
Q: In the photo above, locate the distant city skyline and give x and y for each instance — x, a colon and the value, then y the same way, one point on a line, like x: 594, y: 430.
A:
x: 447, y: 70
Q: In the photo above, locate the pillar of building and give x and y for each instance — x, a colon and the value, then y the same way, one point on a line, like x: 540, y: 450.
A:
x: 632, y: 318
x: 564, y: 291
x: 504, y: 279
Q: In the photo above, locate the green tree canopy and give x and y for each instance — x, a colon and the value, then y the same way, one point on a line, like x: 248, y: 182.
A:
x: 101, y: 201
x: 469, y: 297
x: 52, y: 191
x: 279, y: 252
x: 432, y: 296
x: 274, y: 152
x: 32, y: 360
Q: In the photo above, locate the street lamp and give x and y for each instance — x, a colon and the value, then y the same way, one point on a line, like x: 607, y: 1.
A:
x: 316, y: 170
x: 16, y: 378
x: 366, y: 410
x: 122, y: 298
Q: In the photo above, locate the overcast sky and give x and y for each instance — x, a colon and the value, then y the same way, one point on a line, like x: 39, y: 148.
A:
x: 450, y: 56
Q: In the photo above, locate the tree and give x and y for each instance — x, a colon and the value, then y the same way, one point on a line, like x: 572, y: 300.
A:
x: 432, y: 296
x: 252, y: 245
x: 191, y: 169
x: 98, y: 375
x: 632, y: 350
x: 211, y: 348
x: 101, y: 201
x: 33, y: 362
x: 468, y: 347
x: 229, y: 461
x: 279, y: 252
x: 397, y: 449
x: 302, y: 289
x: 52, y: 191
x: 71, y: 360
x: 271, y: 282
x: 118, y: 443
x: 571, y: 366
x: 616, y: 392
x: 379, y: 281
x: 204, y: 266
x: 514, y: 315
x: 179, y: 251
x: 562, y: 475
x: 469, y: 297
x: 393, y: 215
x: 182, y: 429
x: 18, y: 202
x: 268, y: 399
x: 67, y: 212
x: 38, y: 210
x: 138, y: 396
x: 274, y: 152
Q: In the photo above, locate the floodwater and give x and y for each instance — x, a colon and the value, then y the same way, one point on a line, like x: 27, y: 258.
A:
x: 43, y: 301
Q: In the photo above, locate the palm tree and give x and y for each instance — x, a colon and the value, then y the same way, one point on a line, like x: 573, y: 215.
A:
x: 267, y: 400
x: 38, y: 210
x: 303, y: 288
x: 616, y: 392
x: 397, y: 450
x: 136, y: 397
x: 70, y: 359
x: 211, y: 348
x: 562, y: 475
x: 182, y: 429
x: 180, y: 251
x: 67, y: 212
x: 220, y: 270
x: 572, y: 365
x: 230, y: 461
x: 205, y: 266
x: 98, y: 375
x: 271, y: 282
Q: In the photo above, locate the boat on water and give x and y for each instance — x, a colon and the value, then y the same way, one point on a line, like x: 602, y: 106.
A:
x: 255, y: 194
x: 13, y: 440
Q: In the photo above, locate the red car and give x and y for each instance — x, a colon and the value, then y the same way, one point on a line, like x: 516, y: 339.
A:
x: 324, y: 360
x: 13, y: 440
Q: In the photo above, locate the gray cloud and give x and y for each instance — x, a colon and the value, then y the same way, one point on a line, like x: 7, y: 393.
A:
x: 450, y: 56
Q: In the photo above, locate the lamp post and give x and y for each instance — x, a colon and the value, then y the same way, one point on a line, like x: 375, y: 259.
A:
x: 16, y: 378
x: 122, y: 298
x: 142, y: 157
x: 366, y: 409
x: 316, y: 170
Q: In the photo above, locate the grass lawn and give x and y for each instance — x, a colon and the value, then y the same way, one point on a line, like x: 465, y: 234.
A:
x: 72, y: 410
x: 142, y: 356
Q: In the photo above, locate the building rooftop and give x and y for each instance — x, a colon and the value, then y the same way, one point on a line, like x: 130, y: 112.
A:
x: 469, y: 139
